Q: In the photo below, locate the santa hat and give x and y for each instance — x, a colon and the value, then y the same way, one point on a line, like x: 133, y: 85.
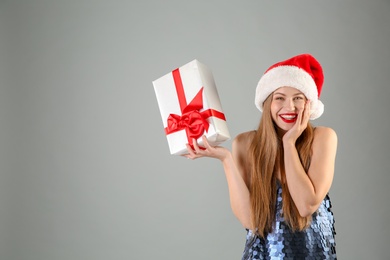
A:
x: 302, y: 72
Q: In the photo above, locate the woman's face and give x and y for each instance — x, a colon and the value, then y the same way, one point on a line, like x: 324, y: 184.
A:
x: 285, y: 106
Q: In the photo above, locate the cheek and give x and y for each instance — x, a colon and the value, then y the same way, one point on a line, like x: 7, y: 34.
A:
x: 275, y: 106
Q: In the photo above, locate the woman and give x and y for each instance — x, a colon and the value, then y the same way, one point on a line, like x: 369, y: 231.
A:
x: 279, y: 176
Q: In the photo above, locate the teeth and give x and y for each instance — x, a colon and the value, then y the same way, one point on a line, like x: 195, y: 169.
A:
x: 289, y: 117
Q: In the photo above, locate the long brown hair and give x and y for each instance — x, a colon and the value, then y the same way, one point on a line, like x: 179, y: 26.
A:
x: 266, y: 158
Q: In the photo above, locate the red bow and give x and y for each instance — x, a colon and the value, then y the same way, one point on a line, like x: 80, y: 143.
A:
x: 193, y: 121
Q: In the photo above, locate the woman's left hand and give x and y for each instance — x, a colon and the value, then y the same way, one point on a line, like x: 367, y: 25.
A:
x: 299, y: 126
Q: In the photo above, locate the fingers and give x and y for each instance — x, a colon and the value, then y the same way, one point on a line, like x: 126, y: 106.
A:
x: 301, y: 123
x: 196, y: 146
x: 191, y: 153
x: 306, y: 113
x: 206, y: 142
x: 190, y: 150
x: 197, y: 151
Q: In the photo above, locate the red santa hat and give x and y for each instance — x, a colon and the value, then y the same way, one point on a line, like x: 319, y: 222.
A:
x: 302, y: 72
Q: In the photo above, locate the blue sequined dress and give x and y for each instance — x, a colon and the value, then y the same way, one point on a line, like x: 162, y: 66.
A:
x: 315, y: 242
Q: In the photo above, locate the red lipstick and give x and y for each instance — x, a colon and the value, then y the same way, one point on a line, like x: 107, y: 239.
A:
x: 289, y: 117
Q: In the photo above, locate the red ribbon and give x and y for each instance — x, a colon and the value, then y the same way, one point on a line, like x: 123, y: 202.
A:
x: 192, y: 120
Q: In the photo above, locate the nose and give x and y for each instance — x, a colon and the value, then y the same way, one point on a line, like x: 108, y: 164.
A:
x: 290, y: 105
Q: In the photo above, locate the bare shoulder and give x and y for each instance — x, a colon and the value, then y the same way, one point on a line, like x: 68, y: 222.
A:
x: 325, y: 139
x: 323, y: 133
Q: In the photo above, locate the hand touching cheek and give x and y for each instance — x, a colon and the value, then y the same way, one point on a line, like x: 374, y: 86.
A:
x: 300, y: 124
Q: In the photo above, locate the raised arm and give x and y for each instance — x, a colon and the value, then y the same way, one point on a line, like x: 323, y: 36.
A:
x: 309, y: 189
x: 233, y: 167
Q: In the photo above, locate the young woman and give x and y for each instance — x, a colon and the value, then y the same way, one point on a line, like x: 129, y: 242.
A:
x: 279, y: 176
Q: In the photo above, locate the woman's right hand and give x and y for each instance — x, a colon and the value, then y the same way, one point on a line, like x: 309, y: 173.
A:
x: 217, y: 152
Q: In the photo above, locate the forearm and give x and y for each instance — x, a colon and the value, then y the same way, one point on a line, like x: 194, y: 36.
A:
x: 299, y: 184
x: 238, y: 191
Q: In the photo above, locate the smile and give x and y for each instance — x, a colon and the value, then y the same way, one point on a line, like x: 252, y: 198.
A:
x: 288, y: 118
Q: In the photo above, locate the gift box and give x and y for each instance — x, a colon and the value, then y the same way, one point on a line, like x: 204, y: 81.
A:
x: 190, y: 107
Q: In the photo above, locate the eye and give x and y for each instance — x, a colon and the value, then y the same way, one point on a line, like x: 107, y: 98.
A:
x: 279, y: 98
x: 298, y: 98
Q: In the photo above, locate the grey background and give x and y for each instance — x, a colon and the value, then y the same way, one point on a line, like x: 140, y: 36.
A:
x: 84, y: 163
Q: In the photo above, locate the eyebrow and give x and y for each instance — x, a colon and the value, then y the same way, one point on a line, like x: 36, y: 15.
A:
x: 296, y: 94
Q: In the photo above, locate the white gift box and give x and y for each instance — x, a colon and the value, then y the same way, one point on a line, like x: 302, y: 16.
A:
x: 190, y: 107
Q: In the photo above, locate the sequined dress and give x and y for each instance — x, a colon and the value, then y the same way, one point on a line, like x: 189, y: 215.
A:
x: 316, y: 242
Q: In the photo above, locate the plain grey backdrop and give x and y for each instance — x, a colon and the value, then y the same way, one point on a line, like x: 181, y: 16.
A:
x: 85, y: 167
